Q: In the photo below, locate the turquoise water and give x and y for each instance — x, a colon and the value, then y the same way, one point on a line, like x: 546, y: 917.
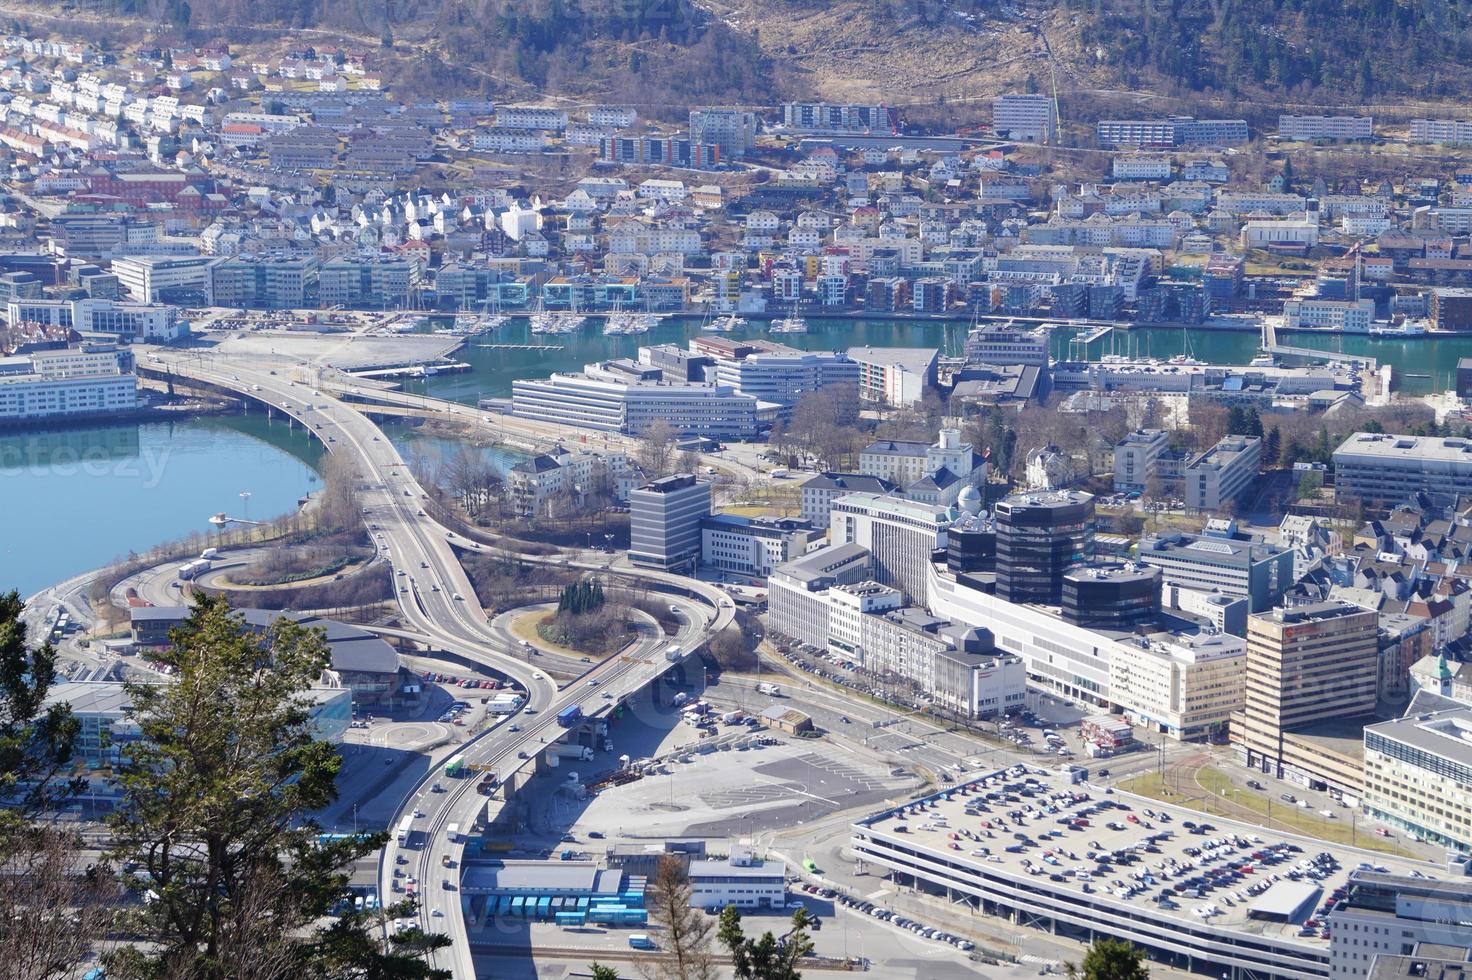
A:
x: 492, y: 371
x: 76, y: 499
x: 420, y: 448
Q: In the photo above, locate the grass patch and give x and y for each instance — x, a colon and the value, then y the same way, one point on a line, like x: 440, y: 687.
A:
x: 1207, y: 793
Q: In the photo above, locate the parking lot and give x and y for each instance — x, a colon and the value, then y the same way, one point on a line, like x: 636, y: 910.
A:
x: 1082, y: 840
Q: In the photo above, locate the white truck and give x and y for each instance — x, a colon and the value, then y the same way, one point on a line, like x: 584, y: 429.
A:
x: 733, y: 717
x: 672, y: 653
x: 770, y: 690
x: 452, y: 833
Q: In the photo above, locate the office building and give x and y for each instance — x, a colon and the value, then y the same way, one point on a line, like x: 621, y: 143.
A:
x: 753, y: 546
x: 1040, y: 536
x: 819, y: 492
x: 1136, y: 457
x: 797, y: 592
x: 1292, y: 127
x: 1311, y: 668
x: 740, y: 880
x: 1185, y: 685
x: 899, y: 377
x: 664, y: 522
x: 182, y: 279
x: 154, y: 323
x: 1418, y: 774
x: 1111, y: 596
x: 1396, y: 914
x: 1023, y: 117
x: 1257, y: 572
x: 368, y: 281
x: 1342, y: 316
x: 1218, y: 477
x: 52, y: 386
x: 263, y: 282
x: 625, y: 397
x: 1002, y: 345
x: 901, y: 535
x: 1386, y: 469
x: 1451, y: 308
x: 733, y: 131
x: 780, y: 375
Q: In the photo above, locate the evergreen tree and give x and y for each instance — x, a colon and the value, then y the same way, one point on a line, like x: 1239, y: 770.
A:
x: 216, y: 797
x: 1272, y: 445
x: 1111, y: 959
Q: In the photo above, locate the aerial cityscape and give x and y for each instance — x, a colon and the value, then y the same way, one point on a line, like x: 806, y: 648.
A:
x: 736, y: 489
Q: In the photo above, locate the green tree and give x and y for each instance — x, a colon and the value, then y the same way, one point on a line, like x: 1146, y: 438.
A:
x: 1111, y: 959
x: 217, y: 793
x: 36, y: 739
x: 1309, y: 485
x: 1272, y: 445
x: 601, y: 972
x: 768, y: 957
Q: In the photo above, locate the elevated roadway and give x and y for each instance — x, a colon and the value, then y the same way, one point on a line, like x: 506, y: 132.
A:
x: 437, y: 602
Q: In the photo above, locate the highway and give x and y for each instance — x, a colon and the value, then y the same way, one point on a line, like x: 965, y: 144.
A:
x: 436, y: 600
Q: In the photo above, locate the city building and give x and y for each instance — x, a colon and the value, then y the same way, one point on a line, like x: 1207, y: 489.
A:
x: 827, y: 118
x: 1343, y: 316
x: 819, y: 492
x: 1170, y: 132
x: 1111, y: 596
x: 264, y: 282
x: 901, y: 535
x: 1418, y: 775
x: 899, y: 377
x: 1000, y: 344
x: 753, y: 546
x: 1455, y: 132
x: 625, y: 397
x: 532, y: 484
x: 1389, y: 913
x: 1136, y: 456
x: 1025, y: 117
x: 1185, y: 685
x: 154, y: 323
x: 741, y: 880
x: 774, y: 373
x: 733, y: 131
x: 665, y: 518
x: 1451, y: 308
x: 369, y: 281
x: 1312, y: 673
x: 67, y: 384
x: 1244, y: 569
x: 1040, y: 536
x: 797, y: 600
x: 180, y: 279
x: 1386, y: 469
x: 1218, y: 477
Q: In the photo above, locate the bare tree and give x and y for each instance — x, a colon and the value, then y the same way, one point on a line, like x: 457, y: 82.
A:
x: 473, y: 479
x: 656, y: 452
x: 687, y: 931
x: 53, y: 908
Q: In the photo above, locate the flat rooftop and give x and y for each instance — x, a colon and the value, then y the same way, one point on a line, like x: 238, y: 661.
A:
x: 1118, y: 850
x: 1391, y: 447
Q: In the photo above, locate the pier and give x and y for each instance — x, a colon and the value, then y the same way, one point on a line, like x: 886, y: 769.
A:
x: 1271, y: 346
x: 552, y: 347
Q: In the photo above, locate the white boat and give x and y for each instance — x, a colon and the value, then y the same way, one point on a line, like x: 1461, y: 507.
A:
x: 790, y: 324
x: 725, y: 324
x: 643, y: 322
x: 543, y: 322
x: 617, y: 324
x: 1409, y: 328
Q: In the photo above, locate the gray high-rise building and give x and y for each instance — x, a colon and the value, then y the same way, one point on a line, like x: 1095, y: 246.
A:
x: 664, y: 521
x: 1039, y: 537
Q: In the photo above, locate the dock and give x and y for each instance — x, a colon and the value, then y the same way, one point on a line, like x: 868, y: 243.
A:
x: 1271, y: 346
x: 413, y: 370
x: 552, y: 347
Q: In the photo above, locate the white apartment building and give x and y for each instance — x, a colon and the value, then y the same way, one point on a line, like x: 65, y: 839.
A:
x: 510, y: 139
x: 732, y: 130
x: 533, y: 482
x: 530, y: 117
x: 1218, y: 476
x: 1344, y: 316
x: 1291, y: 127
x: 1029, y: 118
x: 904, y: 462
x: 1142, y: 166
x: 895, y: 376
x: 1266, y: 202
x: 784, y: 376
x: 1451, y: 131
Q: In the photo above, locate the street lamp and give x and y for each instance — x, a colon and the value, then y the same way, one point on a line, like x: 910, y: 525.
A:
x: 245, y: 504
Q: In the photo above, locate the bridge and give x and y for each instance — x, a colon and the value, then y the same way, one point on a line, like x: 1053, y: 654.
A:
x: 438, y: 604
x: 1271, y: 346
